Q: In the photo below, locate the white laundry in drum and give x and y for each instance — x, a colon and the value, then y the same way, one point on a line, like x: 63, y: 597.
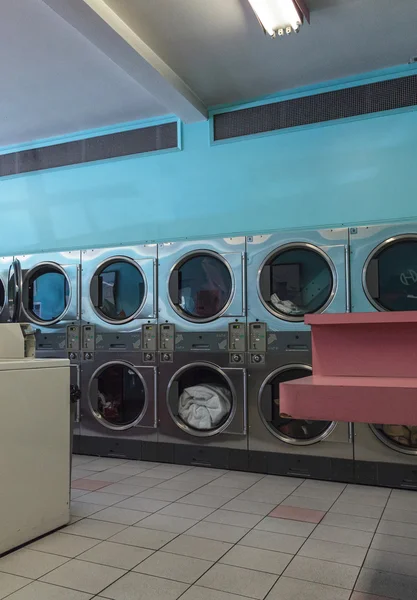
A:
x: 204, y: 406
x: 285, y: 306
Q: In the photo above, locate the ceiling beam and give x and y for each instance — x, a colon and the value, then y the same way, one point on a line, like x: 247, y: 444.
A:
x: 96, y: 21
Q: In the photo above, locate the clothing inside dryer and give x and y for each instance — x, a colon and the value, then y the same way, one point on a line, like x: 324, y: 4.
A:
x: 119, y: 395
x: 121, y: 290
x: 47, y: 293
x: 391, y: 276
x: 204, y: 286
x: 201, y: 398
x: 296, y: 281
x: 294, y: 429
x: 401, y: 435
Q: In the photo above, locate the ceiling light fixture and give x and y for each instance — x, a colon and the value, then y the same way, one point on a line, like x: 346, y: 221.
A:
x: 280, y: 17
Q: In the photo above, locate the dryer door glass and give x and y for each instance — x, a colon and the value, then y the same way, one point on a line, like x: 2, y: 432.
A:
x: 201, y: 287
x: 117, y: 396
x: 118, y: 290
x: 201, y: 400
x: 402, y: 438
x: 2, y: 296
x: 46, y: 293
x: 296, y: 281
x: 391, y: 276
x: 291, y: 431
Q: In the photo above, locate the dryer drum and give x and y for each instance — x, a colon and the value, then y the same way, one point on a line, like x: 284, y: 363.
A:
x: 290, y: 431
x: 117, y: 396
x: 201, y: 286
x: 402, y: 438
x: 296, y: 279
x: 46, y: 293
x: 118, y: 290
x: 390, y: 274
x: 201, y: 399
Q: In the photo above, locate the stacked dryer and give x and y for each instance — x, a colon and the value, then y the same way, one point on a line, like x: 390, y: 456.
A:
x: 291, y: 274
x: 44, y: 290
x: 384, y: 278
x: 118, y: 350
x: 202, y: 374
x: 6, y: 268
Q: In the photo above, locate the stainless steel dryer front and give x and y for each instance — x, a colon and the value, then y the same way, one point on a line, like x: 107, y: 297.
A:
x: 383, y: 262
x: 283, y: 446
x: 386, y: 455
x: 49, y: 298
x: 118, y: 296
x: 118, y: 404
x: 202, y: 287
x: 294, y: 273
x: 383, y: 267
x: 202, y: 410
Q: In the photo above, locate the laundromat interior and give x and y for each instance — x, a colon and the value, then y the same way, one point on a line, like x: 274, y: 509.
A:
x: 208, y: 300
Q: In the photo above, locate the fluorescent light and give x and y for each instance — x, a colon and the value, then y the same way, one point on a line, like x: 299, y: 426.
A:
x: 280, y: 16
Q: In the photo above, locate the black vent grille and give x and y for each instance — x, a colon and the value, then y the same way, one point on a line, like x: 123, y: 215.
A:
x: 329, y: 106
x: 125, y: 143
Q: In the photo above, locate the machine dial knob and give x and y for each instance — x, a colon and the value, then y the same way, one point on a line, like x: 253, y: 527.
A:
x: 72, y: 356
x: 236, y: 358
x: 257, y: 358
x: 166, y: 356
x: 148, y: 356
x: 87, y: 355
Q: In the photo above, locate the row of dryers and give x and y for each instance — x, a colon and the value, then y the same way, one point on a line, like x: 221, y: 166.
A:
x: 179, y: 348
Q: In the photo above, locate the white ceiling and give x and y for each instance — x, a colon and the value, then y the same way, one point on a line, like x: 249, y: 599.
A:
x: 113, y: 61
x: 219, y: 49
x: 54, y: 81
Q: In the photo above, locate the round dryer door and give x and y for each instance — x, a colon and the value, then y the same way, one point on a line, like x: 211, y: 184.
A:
x: 297, y: 279
x: 201, y: 286
x: 390, y: 274
x: 2, y: 296
x: 201, y: 399
x: 118, y: 290
x: 46, y: 293
x: 402, y: 438
x: 290, y: 431
x: 117, y: 396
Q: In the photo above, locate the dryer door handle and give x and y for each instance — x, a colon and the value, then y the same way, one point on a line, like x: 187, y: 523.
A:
x: 350, y: 433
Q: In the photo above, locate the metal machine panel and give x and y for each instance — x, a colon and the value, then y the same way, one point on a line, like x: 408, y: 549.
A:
x: 118, y: 398
x: 292, y: 273
x: 383, y: 267
x: 178, y: 378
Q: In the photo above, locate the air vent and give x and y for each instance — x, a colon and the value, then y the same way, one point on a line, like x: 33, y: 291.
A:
x: 125, y: 143
x: 329, y: 106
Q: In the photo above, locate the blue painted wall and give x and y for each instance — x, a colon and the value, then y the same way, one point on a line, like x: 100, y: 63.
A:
x: 345, y: 173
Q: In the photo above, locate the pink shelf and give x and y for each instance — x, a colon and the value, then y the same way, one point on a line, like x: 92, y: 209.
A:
x: 365, y: 370
x: 369, y: 318
x: 387, y: 400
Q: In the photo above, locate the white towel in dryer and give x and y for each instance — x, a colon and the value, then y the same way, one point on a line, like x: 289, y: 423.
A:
x: 204, y: 406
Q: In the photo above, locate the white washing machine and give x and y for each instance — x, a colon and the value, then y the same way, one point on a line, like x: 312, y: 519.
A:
x: 34, y: 440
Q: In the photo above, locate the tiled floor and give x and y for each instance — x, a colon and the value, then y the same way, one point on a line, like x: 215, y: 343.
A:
x: 148, y: 531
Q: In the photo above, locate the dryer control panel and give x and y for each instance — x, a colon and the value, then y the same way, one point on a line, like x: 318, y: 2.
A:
x: 237, y: 342
x: 257, y: 343
x: 149, y: 337
x: 257, y: 337
x: 167, y: 337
